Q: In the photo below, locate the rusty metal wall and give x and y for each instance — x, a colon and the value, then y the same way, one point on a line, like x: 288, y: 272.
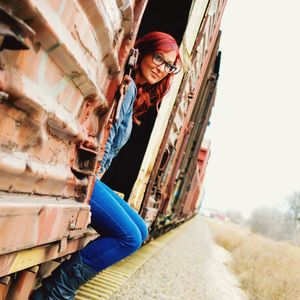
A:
x: 192, y: 197
x: 55, y: 99
x: 60, y: 64
x: 55, y: 92
x: 199, y: 119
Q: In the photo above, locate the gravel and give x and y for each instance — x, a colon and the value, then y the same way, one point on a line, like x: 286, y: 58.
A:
x: 191, y: 266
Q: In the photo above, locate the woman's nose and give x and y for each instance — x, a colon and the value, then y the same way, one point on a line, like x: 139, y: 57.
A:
x: 161, y: 67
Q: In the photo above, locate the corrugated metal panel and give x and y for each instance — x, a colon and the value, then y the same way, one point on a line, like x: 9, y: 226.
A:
x: 53, y: 97
x: 51, y: 89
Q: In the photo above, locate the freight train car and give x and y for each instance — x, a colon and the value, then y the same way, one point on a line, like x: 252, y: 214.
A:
x: 61, y: 63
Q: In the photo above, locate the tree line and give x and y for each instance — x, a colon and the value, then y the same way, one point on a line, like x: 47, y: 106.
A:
x: 273, y: 222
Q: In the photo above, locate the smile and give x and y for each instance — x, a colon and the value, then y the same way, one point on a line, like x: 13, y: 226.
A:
x: 155, y: 75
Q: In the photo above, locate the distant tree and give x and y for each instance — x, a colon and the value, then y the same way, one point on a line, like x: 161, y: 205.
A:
x: 269, y: 222
x: 294, y: 207
x: 293, y: 216
x: 235, y: 216
x: 277, y: 224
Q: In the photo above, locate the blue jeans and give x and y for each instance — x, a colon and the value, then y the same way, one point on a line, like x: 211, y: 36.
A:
x: 122, y: 231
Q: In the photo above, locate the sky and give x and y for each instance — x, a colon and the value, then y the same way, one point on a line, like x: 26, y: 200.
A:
x: 255, y: 123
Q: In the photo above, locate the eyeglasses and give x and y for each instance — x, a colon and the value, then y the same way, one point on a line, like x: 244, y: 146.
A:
x: 159, y: 60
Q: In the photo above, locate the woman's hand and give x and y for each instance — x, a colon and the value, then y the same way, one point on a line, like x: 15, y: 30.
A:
x: 124, y: 85
x: 123, y: 90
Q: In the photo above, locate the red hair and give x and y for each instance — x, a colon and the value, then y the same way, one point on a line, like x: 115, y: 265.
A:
x: 149, y: 95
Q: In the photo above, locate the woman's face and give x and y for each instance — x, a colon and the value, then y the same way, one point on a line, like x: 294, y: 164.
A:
x: 150, y: 71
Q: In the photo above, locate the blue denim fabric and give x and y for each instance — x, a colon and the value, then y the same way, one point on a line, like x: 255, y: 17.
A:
x: 122, y: 230
x: 121, y: 130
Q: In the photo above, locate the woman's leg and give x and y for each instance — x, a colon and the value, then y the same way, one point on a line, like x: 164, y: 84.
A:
x: 122, y: 230
x: 136, y: 218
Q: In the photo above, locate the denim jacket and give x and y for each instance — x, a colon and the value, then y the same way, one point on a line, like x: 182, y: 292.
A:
x: 121, y: 130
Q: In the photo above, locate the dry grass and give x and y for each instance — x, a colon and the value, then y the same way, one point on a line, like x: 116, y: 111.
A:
x: 268, y: 270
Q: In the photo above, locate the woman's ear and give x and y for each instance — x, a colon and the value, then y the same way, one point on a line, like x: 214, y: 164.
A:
x: 178, y: 65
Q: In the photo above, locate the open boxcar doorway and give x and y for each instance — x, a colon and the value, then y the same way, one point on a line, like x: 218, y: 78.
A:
x: 170, y: 17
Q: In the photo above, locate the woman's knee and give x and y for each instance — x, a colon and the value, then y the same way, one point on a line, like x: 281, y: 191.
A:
x: 144, y: 231
x: 133, y: 241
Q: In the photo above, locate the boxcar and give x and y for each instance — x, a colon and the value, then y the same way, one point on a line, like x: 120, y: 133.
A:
x: 61, y: 63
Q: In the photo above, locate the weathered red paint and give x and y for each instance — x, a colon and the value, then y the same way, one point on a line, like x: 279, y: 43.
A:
x: 56, y: 99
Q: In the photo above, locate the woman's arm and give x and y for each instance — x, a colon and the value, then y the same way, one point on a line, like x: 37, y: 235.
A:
x: 126, y: 107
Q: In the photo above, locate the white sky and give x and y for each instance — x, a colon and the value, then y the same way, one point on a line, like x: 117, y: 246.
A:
x: 255, y: 124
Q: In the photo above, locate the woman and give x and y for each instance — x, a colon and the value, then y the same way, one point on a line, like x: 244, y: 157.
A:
x: 122, y: 230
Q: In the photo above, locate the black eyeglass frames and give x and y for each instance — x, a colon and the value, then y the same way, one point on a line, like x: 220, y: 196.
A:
x: 159, y: 60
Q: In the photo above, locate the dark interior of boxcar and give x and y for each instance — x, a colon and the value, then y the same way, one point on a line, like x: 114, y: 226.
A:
x: 171, y: 17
